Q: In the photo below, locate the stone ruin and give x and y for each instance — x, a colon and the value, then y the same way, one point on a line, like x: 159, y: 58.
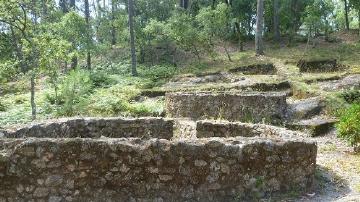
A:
x: 265, y: 69
x: 142, y: 160
x: 268, y: 107
x: 326, y: 65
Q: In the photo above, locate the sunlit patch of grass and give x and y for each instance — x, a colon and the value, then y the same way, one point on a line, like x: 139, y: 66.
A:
x: 302, y: 90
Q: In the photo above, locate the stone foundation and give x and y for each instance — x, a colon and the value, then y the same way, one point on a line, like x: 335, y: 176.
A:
x: 329, y: 65
x: 207, y: 128
x: 104, y: 169
x: 265, y: 69
x: 95, y: 128
x: 75, y: 160
x: 246, y: 107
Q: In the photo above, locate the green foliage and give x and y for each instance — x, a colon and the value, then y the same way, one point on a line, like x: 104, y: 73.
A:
x: 102, y: 79
x: 351, y: 96
x: 2, y: 106
x: 73, y: 92
x: 155, y: 73
x: 349, y: 125
x: 7, y: 71
x: 335, y: 105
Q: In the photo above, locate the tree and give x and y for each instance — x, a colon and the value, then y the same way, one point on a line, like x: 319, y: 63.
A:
x: 356, y: 5
x: 15, y: 15
x: 184, y: 4
x: 214, y: 25
x: 276, y: 20
x: 259, y: 46
x: 89, y: 37
x: 132, y: 37
x: 346, y: 7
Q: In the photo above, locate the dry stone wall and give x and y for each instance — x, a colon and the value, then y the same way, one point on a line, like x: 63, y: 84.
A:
x: 246, y: 107
x: 105, y: 169
x: 105, y: 160
x: 207, y: 128
x: 95, y: 128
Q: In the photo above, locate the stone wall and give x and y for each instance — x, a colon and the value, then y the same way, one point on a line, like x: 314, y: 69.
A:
x: 95, y: 128
x: 207, y: 128
x: 246, y: 107
x: 119, y: 169
x: 264, y: 69
x: 329, y: 65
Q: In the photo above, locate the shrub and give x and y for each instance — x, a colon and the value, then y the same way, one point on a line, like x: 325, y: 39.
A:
x: 101, y: 79
x: 335, y: 105
x: 73, y: 92
x: 157, y: 72
x: 351, y: 96
x: 349, y: 125
x: 2, y: 107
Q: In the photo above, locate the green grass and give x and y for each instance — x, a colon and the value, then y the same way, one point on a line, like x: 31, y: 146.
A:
x: 116, y: 92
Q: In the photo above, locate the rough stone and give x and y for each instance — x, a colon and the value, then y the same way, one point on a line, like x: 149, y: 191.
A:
x: 327, y: 65
x: 96, y: 128
x: 264, y: 69
x: 247, y: 107
x: 207, y: 169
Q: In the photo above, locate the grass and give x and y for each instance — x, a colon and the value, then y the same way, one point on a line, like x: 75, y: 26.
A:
x: 116, y: 92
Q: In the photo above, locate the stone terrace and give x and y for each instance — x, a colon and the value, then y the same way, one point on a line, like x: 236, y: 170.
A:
x: 248, y: 107
x: 70, y: 166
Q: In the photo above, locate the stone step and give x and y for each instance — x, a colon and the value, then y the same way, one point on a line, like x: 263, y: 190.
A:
x: 305, y: 109
x: 315, y: 127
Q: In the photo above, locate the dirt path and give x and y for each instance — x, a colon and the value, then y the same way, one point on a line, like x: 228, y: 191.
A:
x: 338, y: 172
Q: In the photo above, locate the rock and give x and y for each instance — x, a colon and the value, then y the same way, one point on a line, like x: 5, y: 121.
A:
x: 327, y: 65
x: 55, y: 199
x: 265, y: 69
x: 314, y: 127
x: 349, y: 82
x: 53, y: 180
x: 305, y: 109
x: 41, y: 192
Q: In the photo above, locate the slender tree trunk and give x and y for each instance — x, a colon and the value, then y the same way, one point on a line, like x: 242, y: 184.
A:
x: 113, y: 31
x: 347, y: 24
x: 74, y: 62
x: 44, y: 11
x: 132, y: 37
x: 359, y: 20
x: 259, y: 46
x: 63, y: 6
x: 32, y: 97
x: 227, y: 53
x: 89, y: 37
x: 276, y: 21
x: 72, y: 5
x: 184, y: 4
x: 241, y: 42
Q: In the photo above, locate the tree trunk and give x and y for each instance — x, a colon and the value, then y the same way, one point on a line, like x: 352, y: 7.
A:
x: 241, y: 42
x: 276, y: 21
x: 259, y: 46
x: 72, y: 5
x: 63, y: 6
x: 32, y: 97
x: 347, y: 24
x: 359, y: 20
x: 44, y: 11
x: 227, y: 52
x: 89, y: 37
x: 113, y: 31
x: 132, y: 37
x: 184, y: 4
x: 74, y: 62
